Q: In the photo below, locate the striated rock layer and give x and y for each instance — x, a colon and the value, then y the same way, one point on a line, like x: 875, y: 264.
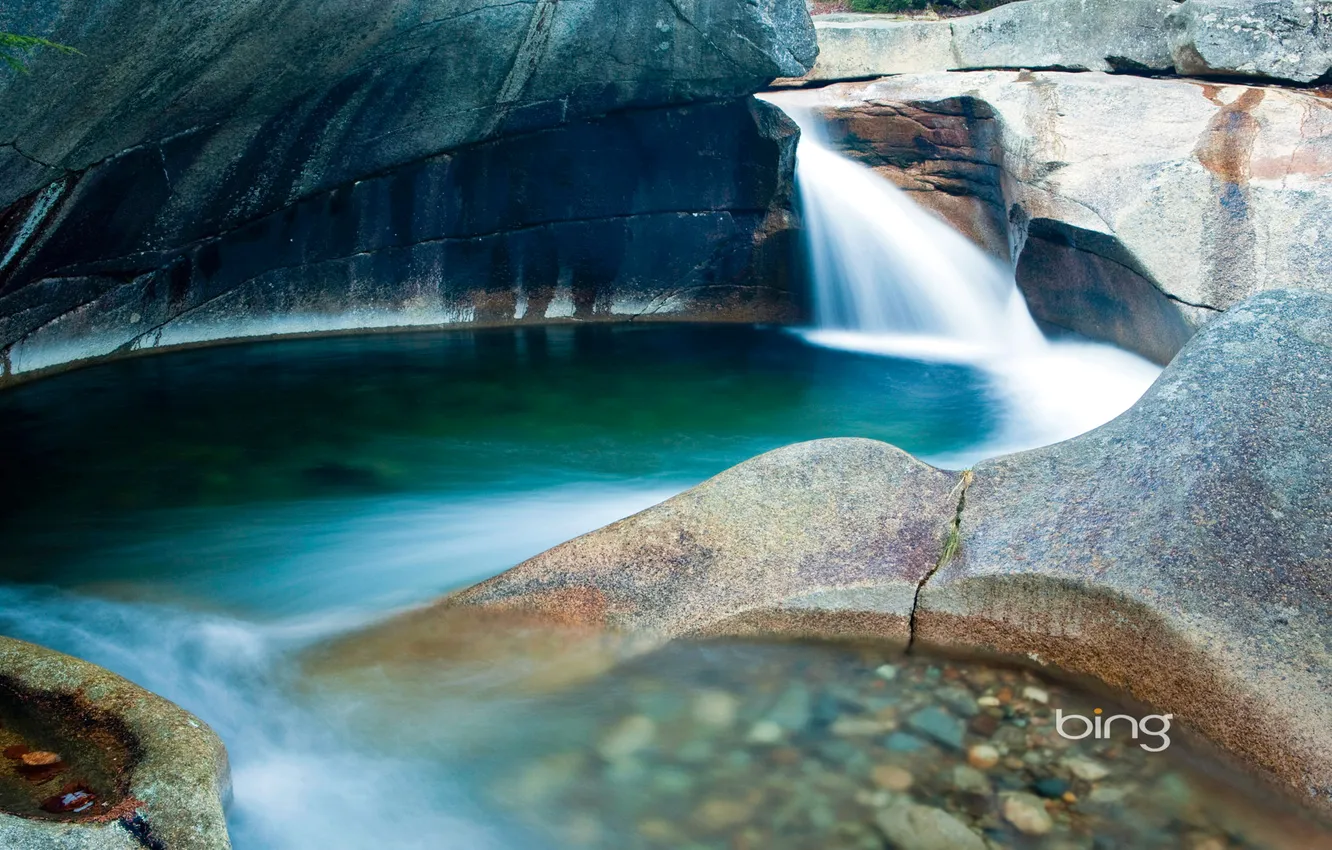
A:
x: 612, y: 218
x: 1181, y: 553
x: 1139, y: 230
x: 237, y: 169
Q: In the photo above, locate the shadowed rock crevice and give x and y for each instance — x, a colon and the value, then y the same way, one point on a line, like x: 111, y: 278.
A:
x: 951, y: 545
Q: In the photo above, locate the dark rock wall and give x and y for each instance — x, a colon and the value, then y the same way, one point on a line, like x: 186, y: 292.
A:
x: 211, y: 170
x: 319, y: 92
x: 679, y: 211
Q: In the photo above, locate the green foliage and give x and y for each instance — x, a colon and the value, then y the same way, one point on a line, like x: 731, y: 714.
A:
x: 14, y: 49
x: 953, y: 6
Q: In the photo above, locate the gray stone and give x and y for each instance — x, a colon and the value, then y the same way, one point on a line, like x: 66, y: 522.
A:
x: 856, y: 47
x: 1083, y: 35
x: 910, y: 826
x: 1274, y: 39
x: 938, y: 725
x: 969, y: 780
x: 178, y: 775
x: 792, y: 709
x: 1075, y: 35
x: 1027, y: 813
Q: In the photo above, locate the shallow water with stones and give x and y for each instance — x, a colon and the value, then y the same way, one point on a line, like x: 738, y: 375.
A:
x: 744, y: 745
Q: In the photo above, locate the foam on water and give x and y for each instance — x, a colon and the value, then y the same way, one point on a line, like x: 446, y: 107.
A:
x: 303, y: 779
x: 299, y: 781
x: 892, y: 279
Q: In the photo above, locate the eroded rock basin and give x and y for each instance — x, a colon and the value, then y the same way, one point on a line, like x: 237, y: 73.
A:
x: 54, y: 767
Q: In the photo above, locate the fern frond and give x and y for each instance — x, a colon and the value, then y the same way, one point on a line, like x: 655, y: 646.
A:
x: 14, y: 49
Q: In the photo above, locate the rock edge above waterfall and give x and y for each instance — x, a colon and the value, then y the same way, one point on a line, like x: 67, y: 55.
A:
x: 177, y: 779
x: 1178, y: 553
x: 1272, y: 40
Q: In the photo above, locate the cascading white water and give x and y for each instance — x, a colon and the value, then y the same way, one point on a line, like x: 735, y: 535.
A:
x: 891, y: 278
x: 881, y: 266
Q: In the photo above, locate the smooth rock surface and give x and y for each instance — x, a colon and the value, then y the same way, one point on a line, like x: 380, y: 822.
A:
x: 833, y: 534
x: 915, y: 827
x: 1073, y: 35
x: 679, y: 212
x: 222, y: 170
x: 1208, y: 194
x: 1181, y: 552
x: 179, y: 777
x: 1275, y: 39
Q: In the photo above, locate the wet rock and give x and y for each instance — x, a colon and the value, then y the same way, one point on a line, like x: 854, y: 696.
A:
x: 959, y: 700
x: 1238, y: 430
x: 793, y: 708
x: 1274, y: 39
x: 903, y: 742
x: 715, y: 708
x: 1051, y: 787
x: 626, y: 738
x: 1027, y: 813
x: 1108, y: 795
x: 969, y: 780
x: 759, y: 548
x: 718, y: 814
x: 983, y: 756
x: 910, y: 826
x: 938, y: 725
x: 984, y: 725
x: 285, y: 87
x: 860, y: 727
x: 890, y: 777
x: 178, y: 774
x: 765, y: 732
x: 1086, y: 769
x: 539, y: 781
x: 1035, y: 694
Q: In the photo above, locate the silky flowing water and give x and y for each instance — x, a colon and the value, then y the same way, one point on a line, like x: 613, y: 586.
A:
x: 200, y: 521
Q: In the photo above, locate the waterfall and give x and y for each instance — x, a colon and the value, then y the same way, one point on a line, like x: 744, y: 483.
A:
x: 881, y: 266
x: 890, y: 278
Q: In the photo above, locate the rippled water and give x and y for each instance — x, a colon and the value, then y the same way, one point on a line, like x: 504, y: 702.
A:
x: 197, y: 521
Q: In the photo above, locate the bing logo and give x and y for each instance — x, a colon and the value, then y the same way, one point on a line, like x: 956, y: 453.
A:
x: 1100, y: 727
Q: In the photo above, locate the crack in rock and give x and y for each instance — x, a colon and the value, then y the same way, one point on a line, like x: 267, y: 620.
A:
x: 952, y: 543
